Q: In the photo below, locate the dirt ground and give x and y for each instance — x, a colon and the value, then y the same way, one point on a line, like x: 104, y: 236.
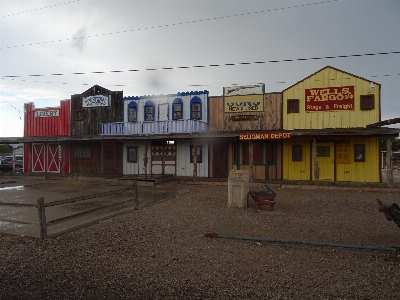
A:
x: 160, y: 251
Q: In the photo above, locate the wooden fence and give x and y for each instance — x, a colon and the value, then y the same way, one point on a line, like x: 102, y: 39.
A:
x: 41, y: 207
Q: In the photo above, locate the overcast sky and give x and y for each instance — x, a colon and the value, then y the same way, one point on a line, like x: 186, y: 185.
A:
x: 88, y: 36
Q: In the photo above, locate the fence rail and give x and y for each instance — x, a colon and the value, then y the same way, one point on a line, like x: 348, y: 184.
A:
x: 41, y: 207
x: 152, y: 128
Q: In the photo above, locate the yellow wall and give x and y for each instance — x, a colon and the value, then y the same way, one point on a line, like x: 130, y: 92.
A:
x: 368, y: 171
x: 331, y: 77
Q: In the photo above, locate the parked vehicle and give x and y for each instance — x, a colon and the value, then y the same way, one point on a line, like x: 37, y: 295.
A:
x: 15, y: 163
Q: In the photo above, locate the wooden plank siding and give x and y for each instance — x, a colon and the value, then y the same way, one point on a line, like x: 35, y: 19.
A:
x: 269, y: 119
x: 100, y: 161
x: 89, y: 125
x: 330, y: 77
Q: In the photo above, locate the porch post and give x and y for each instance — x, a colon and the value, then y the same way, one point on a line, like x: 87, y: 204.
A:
x: 251, y: 162
x: 389, y: 166
x: 194, y: 154
x: 145, y: 158
x: 315, y: 159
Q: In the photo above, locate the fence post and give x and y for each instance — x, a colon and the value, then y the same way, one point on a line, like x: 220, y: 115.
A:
x: 42, y: 218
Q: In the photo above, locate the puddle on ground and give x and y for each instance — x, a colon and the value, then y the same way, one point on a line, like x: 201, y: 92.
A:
x: 13, y: 188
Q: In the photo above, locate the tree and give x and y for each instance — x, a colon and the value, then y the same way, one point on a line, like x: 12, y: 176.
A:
x: 7, y: 149
x: 395, y: 144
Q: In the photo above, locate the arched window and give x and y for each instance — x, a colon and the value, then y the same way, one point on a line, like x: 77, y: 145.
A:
x: 149, y: 111
x: 177, y: 109
x: 132, y: 112
x: 195, y: 108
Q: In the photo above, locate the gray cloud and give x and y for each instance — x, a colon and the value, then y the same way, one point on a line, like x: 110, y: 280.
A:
x: 79, y: 39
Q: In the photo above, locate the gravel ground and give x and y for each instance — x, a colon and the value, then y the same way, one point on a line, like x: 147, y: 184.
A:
x: 161, y: 252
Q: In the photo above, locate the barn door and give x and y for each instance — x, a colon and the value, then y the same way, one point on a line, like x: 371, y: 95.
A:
x: 53, y: 158
x: 163, y: 157
x: 38, y: 158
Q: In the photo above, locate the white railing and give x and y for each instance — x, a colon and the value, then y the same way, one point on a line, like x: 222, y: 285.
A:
x: 151, y: 128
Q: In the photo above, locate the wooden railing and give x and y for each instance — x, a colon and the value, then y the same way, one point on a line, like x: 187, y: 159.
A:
x: 152, y: 128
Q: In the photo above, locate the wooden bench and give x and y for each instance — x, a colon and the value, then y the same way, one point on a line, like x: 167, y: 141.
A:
x: 264, y: 197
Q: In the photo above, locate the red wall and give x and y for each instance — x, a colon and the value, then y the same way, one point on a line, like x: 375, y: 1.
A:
x: 47, y: 126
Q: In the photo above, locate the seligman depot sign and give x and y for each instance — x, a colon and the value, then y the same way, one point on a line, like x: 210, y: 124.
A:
x: 265, y: 136
x: 332, y: 98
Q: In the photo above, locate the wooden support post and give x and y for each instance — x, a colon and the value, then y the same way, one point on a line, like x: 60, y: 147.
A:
x: 315, y: 159
x: 251, y: 161
x: 194, y: 154
x: 389, y: 165
x: 145, y: 159
x: 42, y: 218
x: 136, y: 194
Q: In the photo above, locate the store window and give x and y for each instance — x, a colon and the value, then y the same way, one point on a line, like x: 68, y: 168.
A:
x: 149, y: 111
x: 323, y: 151
x: 359, y: 152
x: 79, y: 115
x: 292, y: 106
x: 367, y: 102
x: 199, y: 153
x: 82, y: 153
x: 132, y: 112
x: 177, y: 109
x: 297, y: 153
x: 132, y: 154
x: 195, y: 108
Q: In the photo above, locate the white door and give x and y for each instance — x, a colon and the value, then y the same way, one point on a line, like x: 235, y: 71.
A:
x: 163, y: 112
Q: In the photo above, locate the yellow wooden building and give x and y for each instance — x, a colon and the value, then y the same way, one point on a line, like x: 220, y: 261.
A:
x: 327, y: 114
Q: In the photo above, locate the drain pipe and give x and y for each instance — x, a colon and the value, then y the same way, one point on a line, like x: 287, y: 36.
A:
x: 299, y: 242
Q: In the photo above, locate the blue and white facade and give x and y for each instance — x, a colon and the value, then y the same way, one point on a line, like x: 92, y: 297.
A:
x: 163, y: 126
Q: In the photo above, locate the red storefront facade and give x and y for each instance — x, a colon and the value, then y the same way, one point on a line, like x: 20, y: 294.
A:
x: 41, y: 156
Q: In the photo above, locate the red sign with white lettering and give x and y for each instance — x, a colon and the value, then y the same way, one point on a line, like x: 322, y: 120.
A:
x: 332, y: 98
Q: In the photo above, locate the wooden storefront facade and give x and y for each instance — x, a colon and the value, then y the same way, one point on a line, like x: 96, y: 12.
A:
x: 89, y: 153
x: 328, y: 113
x: 244, y: 113
x: 47, y: 156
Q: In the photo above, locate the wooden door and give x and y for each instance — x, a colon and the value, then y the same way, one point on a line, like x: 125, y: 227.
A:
x: 220, y: 160
x: 109, y: 159
x: 163, y: 158
x: 326, y: 161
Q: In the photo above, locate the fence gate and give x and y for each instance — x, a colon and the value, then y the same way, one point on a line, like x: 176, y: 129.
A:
x: 163, y: 157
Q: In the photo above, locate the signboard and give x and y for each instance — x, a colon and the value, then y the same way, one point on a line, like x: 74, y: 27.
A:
x: 248, y: 98
x: 239, y: 104
x: 244, y: 90
x: 343, y: 152
x: 96, y: 101
x: 331, y: 98
x: 47, y: 113
x: 265, y: 136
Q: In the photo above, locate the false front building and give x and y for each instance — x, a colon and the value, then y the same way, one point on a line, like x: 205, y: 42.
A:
x: 162, y: 134
x: 327, y: 114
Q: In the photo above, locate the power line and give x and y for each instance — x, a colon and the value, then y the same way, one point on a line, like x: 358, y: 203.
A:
x: 207, y: 66
x: 13, y: 107
x: 174, y: 24
x: 36, y: 9
x: 194, y: 85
